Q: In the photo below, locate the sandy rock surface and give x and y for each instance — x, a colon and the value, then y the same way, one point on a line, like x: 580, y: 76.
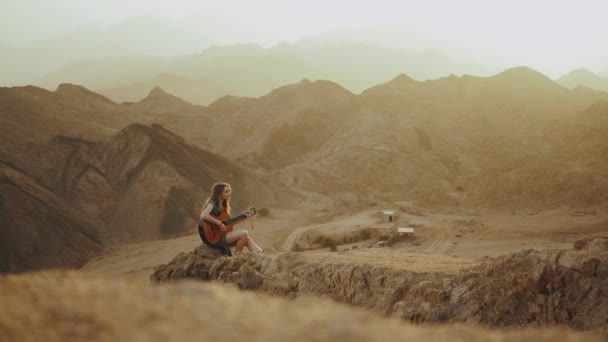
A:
x: 528, y: 288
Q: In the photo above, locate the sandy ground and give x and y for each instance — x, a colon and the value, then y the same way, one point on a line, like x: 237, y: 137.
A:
x: 442, y: 241
x: 395, y: 259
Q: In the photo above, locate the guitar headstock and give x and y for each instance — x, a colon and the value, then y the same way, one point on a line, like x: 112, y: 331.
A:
x: 251, y: 211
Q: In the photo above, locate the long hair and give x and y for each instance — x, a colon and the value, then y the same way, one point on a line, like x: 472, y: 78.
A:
x: 216, y: 193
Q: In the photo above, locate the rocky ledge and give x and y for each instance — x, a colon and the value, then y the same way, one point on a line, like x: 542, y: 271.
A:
x: 532, y: 288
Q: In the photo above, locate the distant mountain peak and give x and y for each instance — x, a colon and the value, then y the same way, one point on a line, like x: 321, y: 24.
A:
x: 400, y: 83
x: 314, y: 88
x: 157, y: 97
x: 156, y: 132
x: 524, y: 76
x: 583, y: 71
x: 583, y: 77
x: 402, y: 78
x: 581, y: 74
x: 75, y: 90
x: 159, y: 101
x: 63, y: 87
x: 522, y: 73
x: 158, y: 91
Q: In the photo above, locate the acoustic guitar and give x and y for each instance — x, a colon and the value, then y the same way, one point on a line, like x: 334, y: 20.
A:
x: 213, y: 232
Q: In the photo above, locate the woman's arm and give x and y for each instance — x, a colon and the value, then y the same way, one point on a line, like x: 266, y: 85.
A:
x: 206, y: 215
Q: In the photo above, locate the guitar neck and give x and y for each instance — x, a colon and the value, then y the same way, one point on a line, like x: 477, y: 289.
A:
x: 235, y: 220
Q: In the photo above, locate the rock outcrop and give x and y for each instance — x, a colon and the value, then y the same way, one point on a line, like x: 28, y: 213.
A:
x: 527, y: 288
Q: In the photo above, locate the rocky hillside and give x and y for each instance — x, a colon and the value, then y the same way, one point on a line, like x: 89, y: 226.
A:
x: 31, y: 114
x: 516, y: 139
x: 34, y: 114
x: 39, y: 229
x: 144, y: 183
x: 530, y: 288
x: 503, y: 141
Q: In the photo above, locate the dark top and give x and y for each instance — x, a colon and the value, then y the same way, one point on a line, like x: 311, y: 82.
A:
x: 216, y: 208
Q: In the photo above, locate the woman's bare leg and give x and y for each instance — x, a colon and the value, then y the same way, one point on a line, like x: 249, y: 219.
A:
x: 235, y: 237
x: 240, y: 244
x: 253, y: 246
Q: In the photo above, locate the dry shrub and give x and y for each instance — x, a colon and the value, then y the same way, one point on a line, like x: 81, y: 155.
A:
x: 264, y: 212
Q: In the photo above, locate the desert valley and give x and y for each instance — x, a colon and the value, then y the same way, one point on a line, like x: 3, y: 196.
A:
x: 425, y: 205
x: 494, y: 177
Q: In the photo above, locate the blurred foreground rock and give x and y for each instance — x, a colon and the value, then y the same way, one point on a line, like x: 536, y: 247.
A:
x: 71, y: 306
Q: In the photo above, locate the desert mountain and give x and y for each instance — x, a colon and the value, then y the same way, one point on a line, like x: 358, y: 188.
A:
x: 144, y: 183
x: 451, y: 141
x: 35, y: 114
x: 585, y: 78
x: 444, y: 141
x: 250, y: 70
x: 282, y: 126
x: 141, y: 36
x: 194, y: 89
x: 456, y: 142
x: 105, y: 72
x: 30, y: 114
x: 515, y: 91
x: 39, y: 229
x: 159, y: 101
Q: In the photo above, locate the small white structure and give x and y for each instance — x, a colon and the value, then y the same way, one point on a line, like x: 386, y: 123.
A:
x: 389, y: 216
x: 405, y: 230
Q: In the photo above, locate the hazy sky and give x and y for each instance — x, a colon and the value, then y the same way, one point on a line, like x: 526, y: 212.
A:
x: 552, y: 36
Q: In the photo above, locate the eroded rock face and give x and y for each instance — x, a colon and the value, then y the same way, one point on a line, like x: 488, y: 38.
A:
x: 599, y: 244
x: 195, y: 265
x: 145, y: 183
x: 38, y: 229
x: 528, y: 288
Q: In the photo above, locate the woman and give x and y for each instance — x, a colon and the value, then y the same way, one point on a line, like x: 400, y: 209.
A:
x: 217, y: 203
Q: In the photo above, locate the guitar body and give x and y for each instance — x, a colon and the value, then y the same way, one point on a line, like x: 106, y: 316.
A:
x: 212, y: 232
